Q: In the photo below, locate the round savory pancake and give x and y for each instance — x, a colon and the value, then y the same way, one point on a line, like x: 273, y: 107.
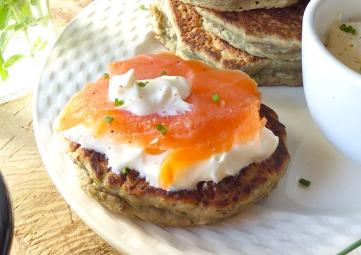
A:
x: 131, y: 195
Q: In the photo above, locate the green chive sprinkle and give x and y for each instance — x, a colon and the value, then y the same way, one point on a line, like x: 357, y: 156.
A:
x: 215, y: 98
x: 304, y: 182
x: 162, y: 73
x: 106, y: 76
x: 108, y: 119
x: 118, y: 102
x: 348, y: 29
x: 142, y: 84
x: 162, y: 129
x: 125, y: 170
x: 350, y: 248
x: 142, y: 7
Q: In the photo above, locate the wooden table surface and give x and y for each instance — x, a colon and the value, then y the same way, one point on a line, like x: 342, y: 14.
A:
x: 44, y: 223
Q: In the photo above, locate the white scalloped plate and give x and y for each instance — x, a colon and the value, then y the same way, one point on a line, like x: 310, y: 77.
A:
x: 321, y: 219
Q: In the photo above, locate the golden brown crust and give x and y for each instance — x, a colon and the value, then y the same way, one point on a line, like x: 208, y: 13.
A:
x: 193, y: 34
x: 240, y: 5
x: 269, y: 33
x: 283, y: 23
x: 207, y: 203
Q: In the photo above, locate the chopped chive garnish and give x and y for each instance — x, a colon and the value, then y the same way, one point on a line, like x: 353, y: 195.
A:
x: 162, y: 129
x: 215, y: 98
x: 162, y: 73
x: 348, y: 29
x: 118, y: 102
x: 304, y: 182
x: 108, y: 119
x: 350, y: 248
x: 142, y: 7
x: 125, y: 170
x: 142, y: 84
x: 106, y: 76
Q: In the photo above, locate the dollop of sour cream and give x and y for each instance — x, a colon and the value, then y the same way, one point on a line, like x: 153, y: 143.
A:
x: 163, y: 95
x: 344, y: 42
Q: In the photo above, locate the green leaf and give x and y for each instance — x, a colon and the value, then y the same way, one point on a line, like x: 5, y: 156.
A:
x: 12, y: 60
x: 1, y: 59
x: 4, y: 16
x: 19, y: 26
x: 4, y: 38
x: 3, y: 3
x: 43, y: 19
x: 43, y: 45
x: 3, y: 72
x: 9, y: 28
x: 25, y: 8
x: 29, y: 20
x: 37, y: 42
x: 34, y: 2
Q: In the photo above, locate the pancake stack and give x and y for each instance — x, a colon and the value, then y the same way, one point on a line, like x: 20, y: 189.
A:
x: 262, y: 38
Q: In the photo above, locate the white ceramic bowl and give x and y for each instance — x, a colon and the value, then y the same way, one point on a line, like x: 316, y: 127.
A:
x: 332, y: 90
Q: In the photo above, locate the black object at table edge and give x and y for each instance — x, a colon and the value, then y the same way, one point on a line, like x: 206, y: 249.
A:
x: 6, y: 219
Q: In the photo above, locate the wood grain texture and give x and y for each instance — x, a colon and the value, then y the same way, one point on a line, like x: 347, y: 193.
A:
x: 64, y: 10
x: 44, y: 223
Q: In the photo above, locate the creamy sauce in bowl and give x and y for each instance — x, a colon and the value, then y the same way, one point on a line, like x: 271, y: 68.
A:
x: 344, y: 42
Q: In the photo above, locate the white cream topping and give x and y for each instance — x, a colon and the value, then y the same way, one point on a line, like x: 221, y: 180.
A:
x: 346, y: 47
x: 163, y: 95
x: 214, y: 168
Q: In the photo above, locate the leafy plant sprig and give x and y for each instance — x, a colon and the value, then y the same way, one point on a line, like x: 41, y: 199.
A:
x: 19, y: 16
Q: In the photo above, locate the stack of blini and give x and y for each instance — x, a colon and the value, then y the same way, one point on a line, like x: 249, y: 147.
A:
x: 262, y: 38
